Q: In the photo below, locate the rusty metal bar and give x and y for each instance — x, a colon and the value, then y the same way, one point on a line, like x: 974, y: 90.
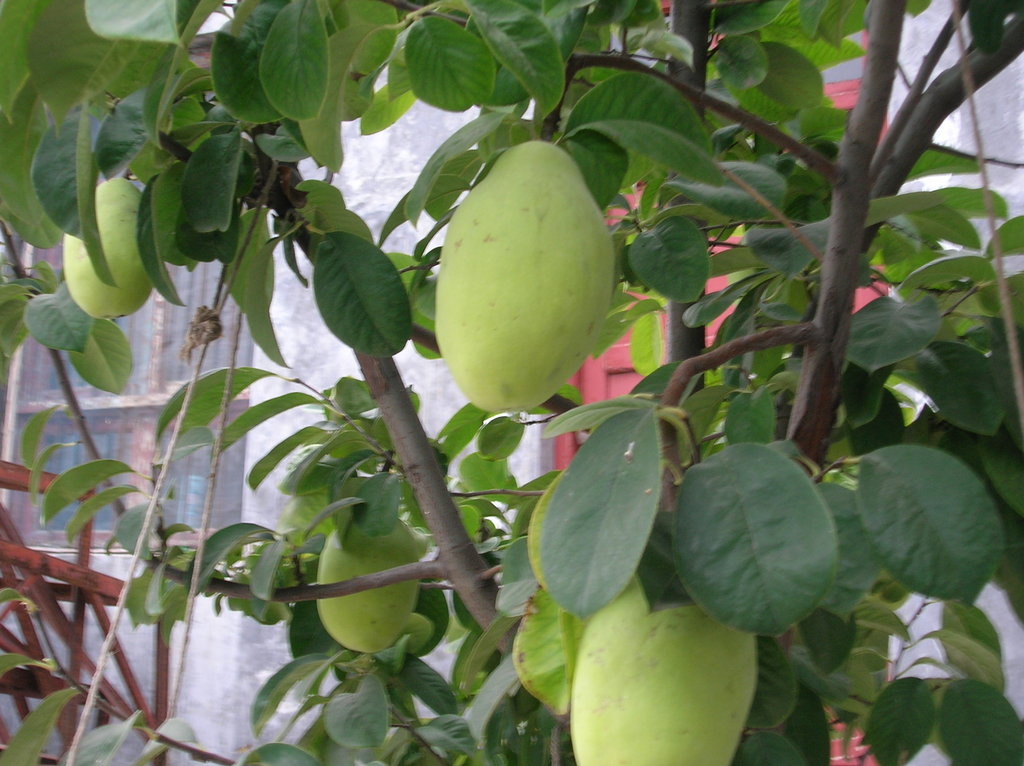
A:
x: 51, y: 566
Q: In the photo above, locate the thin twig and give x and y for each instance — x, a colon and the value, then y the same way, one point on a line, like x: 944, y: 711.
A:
x: 995, y: 241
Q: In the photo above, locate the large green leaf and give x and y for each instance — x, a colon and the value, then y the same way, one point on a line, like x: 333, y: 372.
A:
x: 858, y: 566
x: 234, y: 59
x: 106, y: 362
x: 978, y: 726
x: 206, y: 397
x: 153, y: 20
x: 100, y: 745
x: 145, y: 235
x: 887, y: 331
x: 792, y: 79
x: 26, y: 744
x: 601, y: 513
x: 70, y: 485
x: 449, y: 67
x: 733, y: 200
x: 122, y: 135
x: 54, y: 176
x: 294, y: 61
x: 360, y: 718
x: 930, y: 519
x: 253, y: 290
x: 428, y: 686
x: 741, y: 62
x: 17, y: 17
x: 953, y: 269
x: 208, y: 186
x: 672, y: 258
x: 738, y: 19
x: 82, y: 65
x: 775, y: 694
x: 56, y: 321
x: 602, y: 162
x: 276, y: 688
x: 524, y: 45
x: 755, y: 544
x: 1004, y: 466
x: 542, y: 651
x: 901, y: 721
x: 958, y: 380
x: 783, y: 250
x: 360, y: 295
x: 20, y: 134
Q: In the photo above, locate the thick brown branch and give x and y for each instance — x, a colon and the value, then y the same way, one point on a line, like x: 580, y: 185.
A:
x: 813, y: 159
x: 459, y: 557
x: 818, y: 391
x: 421, y: 570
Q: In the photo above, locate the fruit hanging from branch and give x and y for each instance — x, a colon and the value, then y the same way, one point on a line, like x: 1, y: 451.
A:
x: 117, y: 208
x: 665, y: 688
x: 527, y: 272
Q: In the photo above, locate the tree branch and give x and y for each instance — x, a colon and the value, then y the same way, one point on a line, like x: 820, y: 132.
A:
x: 818, y: 391
x: 456, y: 552
x: 813, y: 159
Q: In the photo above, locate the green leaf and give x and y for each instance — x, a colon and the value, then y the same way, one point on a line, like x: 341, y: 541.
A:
x: 325, y: 210
x: 731, y: 199
x: 145, y: 235
x: 450, y: 733
x: 746, y: 18
x: 858, y: 567
x: 449, y: 67
x: 541, y: 653
x: 89, y: 508
x: 986, y: 22
x: 261, y: 412
x: 264, y: 572
x: 254, y: 290
x: 602, y: 162
x: 606, y: 502
x: 930, y: 519
x: 428, y: 686
x: 672, y: 258
x: 234, y: 59
x: 807, y: 728
x: 950, y: 269
x: 275, y: 688
x: 381, y: 495
x: 70, y: 485
x: 755, y: 545
x: 775, y: 694
x: 828, y: 639
x: 81, y: 66
x: 588, y: 416
x: 461, y: 140
x: 751, y: 418
x: 99, y: 746
x: 523, y: 44
x: 86, y: 175
x: 173, y: 728
x: 54, y: 176
x: 122, y: 135
x: 499, y: 438
x: 279, y: 754
x: 206, y: 398
x: 134, y: 19
x: 1004, y: 467
x: 32, y: 433
x: 56, y: 321
x: 958, y: 380
x: 901, y: 721
x: 360, y: 295
x: 294, y: 61
x: 646, y: 344
x: 460, y: 430
x: 978, y: 726
x: 969, y: 657
x: 741, y: 62
x: 500, y: 684
x: 106, y: 362
x: 360, y: 718
x: 792, y: 79
x: 783, y: 250
x: 26, y: 744
x: 17, y: 17
x: 221, y: 542
x: 886, y: 331
x: 663, y: 145
x: 20, y: 135
x: 208, y: 186
x: 277, y: 453
x: 766, y: 748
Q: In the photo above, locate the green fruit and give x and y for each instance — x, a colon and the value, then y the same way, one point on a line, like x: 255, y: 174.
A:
x: 665, y: 688
x: 374, y: 619
x: 117, y: 208
x: 526, y: 278
x: 419, y: 629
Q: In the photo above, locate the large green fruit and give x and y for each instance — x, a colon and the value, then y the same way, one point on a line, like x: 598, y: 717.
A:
x: 665, y: 688
x: 374, y: 619
x: 527, y: 271
x: 117, y: 208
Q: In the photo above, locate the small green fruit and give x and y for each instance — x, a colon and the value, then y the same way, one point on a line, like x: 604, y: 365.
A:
x: 374, y: 619
x: 419, y: 629
x: 526, y: 278
x: 117, y: 208
x: 665, y: 688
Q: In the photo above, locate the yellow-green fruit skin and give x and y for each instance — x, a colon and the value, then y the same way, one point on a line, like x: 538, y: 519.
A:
x: 665, y: 688
x: 526, y: 278
x: 371, y: 620
x: 117, y: 208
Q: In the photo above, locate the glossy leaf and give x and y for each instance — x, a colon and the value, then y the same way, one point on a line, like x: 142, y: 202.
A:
x: 208, y: 186
x: 792, y: 79
x: 145, y: 235
x: 672, y: 258
x: 755, y: 545
x: 901, y: 721
x: 978, y: 726
x: 958, y: 379
x: 429, y: 686
x: 221, y: 542
x: 26, y: 744
x: 601, y: 514
x: 360, y: 295
x: 886, y: 331
x: 500, y: 684
x: 87, y: 509
x: 733, y: 200
x: 858, y: 565
x: 294, y: 61
x: 750, y: 418
x: 56, y: 321
x: 524, y: 45
x: 54, y: 174
x: 1004, y: 466
x: 206, y: 397
x: 741, y: 62
x: 20, y: 134
x: 499, y: 438
x: 234, y: 59
x: 106, y: 362
x: 449, y: 67
x: 602, y: 162
x: 450, y: 733
x: 122, y: 134
x: 783, y: 250
x: 930, y: 520
x: 360, y: 718
x: 775, y: 694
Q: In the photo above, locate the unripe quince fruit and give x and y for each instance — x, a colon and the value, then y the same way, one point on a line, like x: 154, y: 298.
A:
x: 527, y: 271
x: 665, y: 688
x: 117, y: 208
x: 374, y: 619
